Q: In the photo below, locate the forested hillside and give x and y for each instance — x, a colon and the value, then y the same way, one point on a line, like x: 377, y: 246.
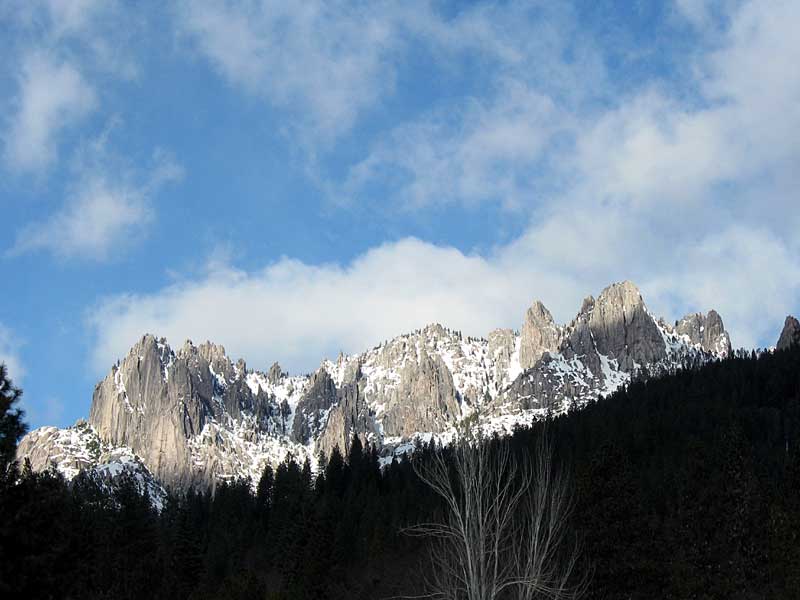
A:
x: 686, y: 486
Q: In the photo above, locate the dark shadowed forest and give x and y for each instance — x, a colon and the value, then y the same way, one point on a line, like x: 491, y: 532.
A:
x: 685, y: 486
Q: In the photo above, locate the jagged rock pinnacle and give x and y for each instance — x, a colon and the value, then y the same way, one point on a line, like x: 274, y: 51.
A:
x: 790, y: 335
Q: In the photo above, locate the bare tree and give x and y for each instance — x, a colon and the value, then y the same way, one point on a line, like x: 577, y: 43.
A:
x: 503, y: 532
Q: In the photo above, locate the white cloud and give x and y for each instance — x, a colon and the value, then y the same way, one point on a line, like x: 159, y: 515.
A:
x: 328, y: 61
x: 747, y: 273
x: 9, y: 355
x: 103, y: 215
x: 697, y: 12
x: 471, y: 155
x: 695, y: 199
x: 296, y: 313
x: 655, y: 149
x: 53, y: 96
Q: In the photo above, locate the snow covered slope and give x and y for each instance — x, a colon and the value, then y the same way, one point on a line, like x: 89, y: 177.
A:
x: 78, y: 449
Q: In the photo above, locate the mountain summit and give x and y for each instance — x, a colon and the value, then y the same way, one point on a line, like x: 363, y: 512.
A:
x: 194, y: 417
x: 790, y: 335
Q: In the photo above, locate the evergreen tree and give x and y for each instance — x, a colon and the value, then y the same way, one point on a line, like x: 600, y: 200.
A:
x: 12, y: 427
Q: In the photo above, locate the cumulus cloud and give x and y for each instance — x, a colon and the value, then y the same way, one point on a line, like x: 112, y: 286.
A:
x: 330, y: 61
x: 290, y: 311
x: 478, y: 152
x: 692, y: 196
x: 104, y: 214
x: 9, y: 355
x: 298, y: 313
x: 53, y: 95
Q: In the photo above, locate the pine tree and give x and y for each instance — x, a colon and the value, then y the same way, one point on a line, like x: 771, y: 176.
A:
x: 12, y: 427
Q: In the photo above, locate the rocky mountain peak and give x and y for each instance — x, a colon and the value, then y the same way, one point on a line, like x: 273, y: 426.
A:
x: 434, y: 330
x: 218, y: 361
x: 587, y: 306
x: 213, y: 353
x: 275, y: 373
x: 790, y: 335
x: 705, y: 330
x: 539, y: 335
x: 622, y: 294
x: 188, y: 349
x: 194, y: 417
x: 623, y: 329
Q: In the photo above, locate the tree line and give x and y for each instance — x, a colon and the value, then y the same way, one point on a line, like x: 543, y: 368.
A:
x: 683, y: 486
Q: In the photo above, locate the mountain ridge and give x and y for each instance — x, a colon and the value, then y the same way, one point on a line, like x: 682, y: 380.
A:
x: 194, y: 417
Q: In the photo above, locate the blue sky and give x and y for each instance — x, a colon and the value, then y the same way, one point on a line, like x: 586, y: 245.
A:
x: 296, y: 179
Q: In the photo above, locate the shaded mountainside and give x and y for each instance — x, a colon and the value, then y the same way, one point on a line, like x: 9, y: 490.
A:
x: 194, y: 417
x: 790, y: 335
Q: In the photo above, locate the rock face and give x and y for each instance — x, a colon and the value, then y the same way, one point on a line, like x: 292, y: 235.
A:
x: 611, y: 340
x: 790, y: 335
x: 623, y: 329
x: 194, y: 417
x: 156, y: 401
x: 312, y: 410
x: 425, y: 399
x: 706, y: 330
x: 503, y: 349
x: 539, y: 335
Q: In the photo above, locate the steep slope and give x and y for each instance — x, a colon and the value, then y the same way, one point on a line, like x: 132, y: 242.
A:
x: 194, y: 417
x: 610, y: 341
x: 79, y: 449
x: 790, y: 335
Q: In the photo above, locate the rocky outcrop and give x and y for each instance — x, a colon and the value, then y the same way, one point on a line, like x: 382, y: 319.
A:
x: 312, y: 410
x: 424, y: 400
x: 351, y: 416
x: 705, y: 330
x: 155, y: 401
x: 623, y: 330
x: 539, y: 335
x: 78, y: 451
x: 194, y: 417
x: 611, y: 340
x: 139, y: 406
x: 549, y: 385
x: 275, y: 373
x: 790, y: 335
x: 501, y: 348
x: 578, y: 341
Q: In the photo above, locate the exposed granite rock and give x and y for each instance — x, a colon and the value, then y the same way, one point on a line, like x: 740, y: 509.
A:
x: 611, y: 340
x: 707, y: 330
x: 155, y: 401
x: 352, y: 415
x: 69, y: 450
x: 194, y: 417
x: 539, y: 335
x: 624, y: 330
x: 275, y: 373
x: 578, y: 342
x: 790, y: 335
x: 314, y: 406
x: 548, y: 385
x: 502, y: 345
x: 424, y: 400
